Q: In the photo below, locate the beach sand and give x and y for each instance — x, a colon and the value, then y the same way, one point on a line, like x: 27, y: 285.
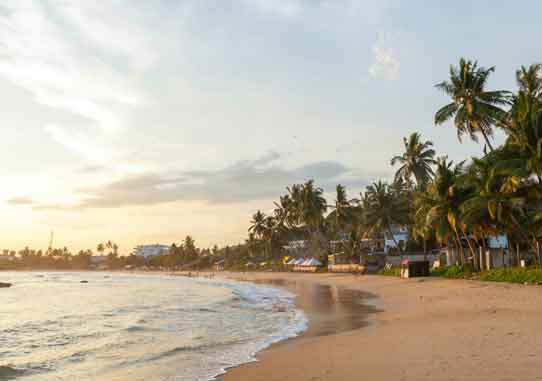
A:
x: 385, y: 328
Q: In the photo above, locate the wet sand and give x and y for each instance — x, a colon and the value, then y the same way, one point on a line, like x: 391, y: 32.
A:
x: 383, y: 328
x: 330, y: 309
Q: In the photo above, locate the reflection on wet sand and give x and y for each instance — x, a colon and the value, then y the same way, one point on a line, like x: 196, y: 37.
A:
x: 330, y: 309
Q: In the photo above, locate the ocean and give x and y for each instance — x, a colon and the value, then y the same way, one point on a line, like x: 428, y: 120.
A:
x: 122, y: 326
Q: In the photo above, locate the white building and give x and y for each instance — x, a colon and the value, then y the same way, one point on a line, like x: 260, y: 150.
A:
x: 149, y: 251
x: 497, y: 241
x: 98, y: 259
x: 295, y: 246
x: 400, y: 235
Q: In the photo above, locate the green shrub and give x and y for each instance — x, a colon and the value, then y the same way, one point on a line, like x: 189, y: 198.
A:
x: 506, y: 274
x: 513, y: 275
x: 391, y: 271
x: 453, y: 272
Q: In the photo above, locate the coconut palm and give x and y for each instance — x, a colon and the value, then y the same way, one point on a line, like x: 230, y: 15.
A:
x: 100, y: 248
x: 269, y: 235
x: 295, y: 205
x: 258, y: 224
x: 500, y: 198
x: 384, y: 210
x: 342, y: 213
x: 529, y: 80
x: 524, y: 123
x: 442, y: 205
x: 473, y: 109
x: 416, y: 161
x: 282, y: 213
x: 313, y: 206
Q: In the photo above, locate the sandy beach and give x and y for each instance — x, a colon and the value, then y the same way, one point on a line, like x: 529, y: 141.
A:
x: 392, y: 329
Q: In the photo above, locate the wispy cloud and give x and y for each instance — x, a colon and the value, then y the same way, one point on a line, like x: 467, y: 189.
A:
x: 386, y: 63
x: 23, y: 200
x: 279, y: 7
x: 91, y: 168
x: 291, y: 8
x: 242, y: 181
x: 64, y: 54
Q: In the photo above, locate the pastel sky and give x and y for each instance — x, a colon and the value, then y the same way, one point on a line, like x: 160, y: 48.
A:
x: 143, y: 121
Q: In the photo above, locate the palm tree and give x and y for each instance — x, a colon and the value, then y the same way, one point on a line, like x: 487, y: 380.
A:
x: 258, y: 224
x: 251, y: 243
x: 342, y: 213
x: 474, y: 110
x: 295, y: 194
x: 500, y: 198
x: 416, y: 161
x: 443, y: 202
x: 269, y: 235
x: 384, y: 210
x: 524, y: 122
x: 313, y: 206
x: 529, y: 80
x: 282, y: 213
x: 100, y: 248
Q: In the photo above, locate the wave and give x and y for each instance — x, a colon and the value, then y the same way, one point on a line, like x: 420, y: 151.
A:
x: 205, y: 325
x: 250, y: 296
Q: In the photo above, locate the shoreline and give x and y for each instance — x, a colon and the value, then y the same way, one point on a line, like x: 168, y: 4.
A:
x: 422, y: 329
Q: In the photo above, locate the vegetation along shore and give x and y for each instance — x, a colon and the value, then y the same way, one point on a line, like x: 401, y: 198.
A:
x: 439, y: 203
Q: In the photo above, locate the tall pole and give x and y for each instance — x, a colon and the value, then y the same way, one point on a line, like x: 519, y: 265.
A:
x: 538, y: 252
x: 51, y: 238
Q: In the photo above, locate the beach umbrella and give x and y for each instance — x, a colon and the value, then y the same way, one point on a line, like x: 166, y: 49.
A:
x: 312, y: 262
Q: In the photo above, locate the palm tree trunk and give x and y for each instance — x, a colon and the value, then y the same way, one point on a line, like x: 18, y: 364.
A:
x: 525, y: 236
x: 459, y: 247
x: 487, y: 140
x: 473, y: 252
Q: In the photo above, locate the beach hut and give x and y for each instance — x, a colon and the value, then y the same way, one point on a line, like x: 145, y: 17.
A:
x: 297, y: 263
x: 310, y: 265
x: 292, y: 261
x: 219, y: 265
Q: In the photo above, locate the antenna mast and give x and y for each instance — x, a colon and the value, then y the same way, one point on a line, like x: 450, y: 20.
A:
x: 51, y: 239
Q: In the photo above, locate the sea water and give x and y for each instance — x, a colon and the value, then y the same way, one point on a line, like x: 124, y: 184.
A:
x: 134, y: 327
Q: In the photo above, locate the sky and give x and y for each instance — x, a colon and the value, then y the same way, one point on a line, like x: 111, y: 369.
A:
x: 144, y: 121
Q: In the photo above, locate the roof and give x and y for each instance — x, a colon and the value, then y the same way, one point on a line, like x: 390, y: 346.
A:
x: 312, y: 262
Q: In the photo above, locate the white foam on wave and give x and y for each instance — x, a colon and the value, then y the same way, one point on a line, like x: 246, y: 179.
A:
x: 269, y: 298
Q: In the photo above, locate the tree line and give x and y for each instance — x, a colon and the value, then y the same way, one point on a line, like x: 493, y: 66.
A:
x: 442, y: 203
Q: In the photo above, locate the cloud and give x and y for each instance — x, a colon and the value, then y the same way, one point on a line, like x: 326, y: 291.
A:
x: 242, y: 181
x: 68, y: 56
x: 386, y: 64
x: 20, y: 201
x: 286, y: 8
x: 291, y: 8
x: 92, y: 168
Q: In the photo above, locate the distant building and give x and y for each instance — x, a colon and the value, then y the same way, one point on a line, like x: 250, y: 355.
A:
x: 149, y: 251
x: 219, y: 265
x: 98, y: 259
x: 295, y: 245
x: 400, y: 236
x: 498, y: 241
x: 6, y: 258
